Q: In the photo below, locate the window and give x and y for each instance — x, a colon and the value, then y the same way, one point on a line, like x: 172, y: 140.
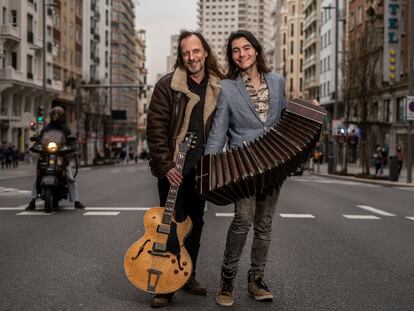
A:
x: 401, y: 109
x: 300, y: 81
x: 291, y: 84
x: 14, y: 60
x: 301, y: 64
x: 293, y: 9
x: 30, y: 67
x: 14, y: 18
x: 386, y: 110
x: 291, y: 66
x: 359, y: 16
x: 291, y: 47
x: 292, y: 29
x: 284, y: 38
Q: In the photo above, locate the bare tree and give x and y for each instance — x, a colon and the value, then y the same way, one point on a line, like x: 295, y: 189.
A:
x: 361, y: 83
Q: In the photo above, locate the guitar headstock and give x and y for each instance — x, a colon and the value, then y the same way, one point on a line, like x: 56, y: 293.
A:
x: 188, y: 142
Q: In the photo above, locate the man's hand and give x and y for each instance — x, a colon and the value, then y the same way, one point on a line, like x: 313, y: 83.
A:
x: 174, y: 177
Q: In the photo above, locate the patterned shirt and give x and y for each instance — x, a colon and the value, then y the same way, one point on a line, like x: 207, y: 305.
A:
x: 260, y: 98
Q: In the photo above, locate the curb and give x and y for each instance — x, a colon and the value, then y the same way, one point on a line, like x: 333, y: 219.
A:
x: 365, y: 180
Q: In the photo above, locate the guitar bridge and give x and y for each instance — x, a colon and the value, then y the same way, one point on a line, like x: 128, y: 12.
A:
x: 153, y: 278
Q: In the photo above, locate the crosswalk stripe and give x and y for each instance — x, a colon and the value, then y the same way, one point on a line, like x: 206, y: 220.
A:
x: 368, y: 217
x: 34, y: 213
x: 224, y: 214
x: 375, y: 210
x: 410, y: 218
x: 296, y: 215
x: 101, y: 214
x: 116, y: 208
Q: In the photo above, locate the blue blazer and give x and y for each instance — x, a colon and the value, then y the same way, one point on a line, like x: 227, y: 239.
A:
x: 237, y: 119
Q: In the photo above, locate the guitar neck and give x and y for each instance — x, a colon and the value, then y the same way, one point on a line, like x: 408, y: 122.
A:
x: 172, y: 193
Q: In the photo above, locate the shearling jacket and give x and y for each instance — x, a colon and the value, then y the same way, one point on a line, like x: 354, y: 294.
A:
x: 169, y: 115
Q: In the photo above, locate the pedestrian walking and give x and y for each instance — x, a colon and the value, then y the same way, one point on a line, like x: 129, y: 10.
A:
x: 400, y: 158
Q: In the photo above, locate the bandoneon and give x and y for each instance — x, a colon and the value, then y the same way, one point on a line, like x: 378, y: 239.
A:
x: 264, y: 163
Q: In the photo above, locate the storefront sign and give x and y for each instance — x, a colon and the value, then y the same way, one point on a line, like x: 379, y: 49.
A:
x: 392, y: 40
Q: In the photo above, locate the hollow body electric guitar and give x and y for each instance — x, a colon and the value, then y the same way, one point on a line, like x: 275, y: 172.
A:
x: 158, y: 262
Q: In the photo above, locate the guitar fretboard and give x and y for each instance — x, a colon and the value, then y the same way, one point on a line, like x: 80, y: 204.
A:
x: 172, y: 193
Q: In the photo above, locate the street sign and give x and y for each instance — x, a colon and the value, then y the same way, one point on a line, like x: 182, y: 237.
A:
x: 410, y: 108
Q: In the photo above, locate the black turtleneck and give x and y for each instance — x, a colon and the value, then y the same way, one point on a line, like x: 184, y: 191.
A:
x: 196, y: 124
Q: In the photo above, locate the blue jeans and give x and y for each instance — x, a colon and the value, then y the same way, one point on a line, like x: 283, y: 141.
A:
x: 259, y: 211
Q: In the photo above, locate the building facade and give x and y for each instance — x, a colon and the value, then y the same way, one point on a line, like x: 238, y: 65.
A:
x: 288, y: 56
x: 217, y: 19
x: 25, y: 84
x: 123, y: 101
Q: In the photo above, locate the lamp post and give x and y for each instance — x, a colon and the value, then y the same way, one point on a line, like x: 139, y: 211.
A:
x: 335, y: 106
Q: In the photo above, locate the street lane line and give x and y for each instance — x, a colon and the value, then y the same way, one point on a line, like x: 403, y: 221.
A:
x: 100, y: 208
x: 101, y: 214
x: 21, y: 207
x: 224, y: 214
x: 410, y: 218
x: 375, y: 210
x: 34, y: 213
x: 297, y: 215
x: 368, y: 217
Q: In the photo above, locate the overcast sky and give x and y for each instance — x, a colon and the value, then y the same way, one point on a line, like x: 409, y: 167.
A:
x: 161, y: 19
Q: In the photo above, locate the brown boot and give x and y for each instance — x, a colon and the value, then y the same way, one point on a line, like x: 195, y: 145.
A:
x: 257, y: 288
x: 194, y: 287
x: 161, y: 300
x: 225, y: 296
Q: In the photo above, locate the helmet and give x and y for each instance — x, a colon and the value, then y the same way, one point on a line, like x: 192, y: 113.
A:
x: 57, y: 115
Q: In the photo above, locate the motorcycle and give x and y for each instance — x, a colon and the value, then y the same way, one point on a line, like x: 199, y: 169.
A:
x: 53, y: 149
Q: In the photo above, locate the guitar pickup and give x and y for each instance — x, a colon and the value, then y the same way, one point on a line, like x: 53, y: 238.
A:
x: 165, y: 229
x: 159, y: 247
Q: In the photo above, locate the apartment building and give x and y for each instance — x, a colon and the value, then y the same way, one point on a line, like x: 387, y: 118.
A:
x: 24, y: 86
x: 172, y: 57
x: 218, y: 18
x: 328, y: 53
x: 311, y: 48
x: 96, y: 47
x: 123, y: 100
x: 288, y: 57
x: 144, y: 90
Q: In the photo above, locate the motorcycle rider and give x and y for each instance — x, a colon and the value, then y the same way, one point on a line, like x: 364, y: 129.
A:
x: 57, y: 120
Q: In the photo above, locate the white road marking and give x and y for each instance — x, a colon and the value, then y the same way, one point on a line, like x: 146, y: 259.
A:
x: 224, y: 214
x: 410, y: 218
x: 405, y: 188
x: 114, y: 171
x: 297, y: 216
x: 116, y: 208
x: 331, y: 181
x: 7, y: 192
x: 34, y: 213
x: 101, y: 214
x: 375, y: 210
x: 368, y: 217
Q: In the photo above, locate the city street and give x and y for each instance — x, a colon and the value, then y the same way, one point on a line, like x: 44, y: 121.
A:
x: 337, y: 245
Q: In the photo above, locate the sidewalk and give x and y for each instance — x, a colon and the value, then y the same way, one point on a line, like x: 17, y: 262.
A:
x: 354, y: 169
x: 24, y: 169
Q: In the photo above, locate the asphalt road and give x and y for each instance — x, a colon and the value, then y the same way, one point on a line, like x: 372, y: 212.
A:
x: 337, y: 245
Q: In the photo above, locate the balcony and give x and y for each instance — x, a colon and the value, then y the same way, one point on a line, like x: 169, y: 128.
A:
x: 10, y: 32
x: 9, y: 73
x: 30, y: 75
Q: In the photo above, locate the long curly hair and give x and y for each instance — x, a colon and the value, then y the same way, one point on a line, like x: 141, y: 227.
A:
x: 211, y: 64
x: 233, y: 70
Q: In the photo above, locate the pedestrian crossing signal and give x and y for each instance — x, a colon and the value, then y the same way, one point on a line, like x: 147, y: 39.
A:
x: 33, y: 125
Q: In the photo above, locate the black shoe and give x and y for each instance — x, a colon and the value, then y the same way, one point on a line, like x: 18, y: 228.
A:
x: 193, y: 287
x: 79, y: 205
x: 161, y: 300
x: 31, y: 206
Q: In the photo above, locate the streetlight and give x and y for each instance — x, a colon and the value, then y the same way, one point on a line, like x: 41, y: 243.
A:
x: 335, y: 107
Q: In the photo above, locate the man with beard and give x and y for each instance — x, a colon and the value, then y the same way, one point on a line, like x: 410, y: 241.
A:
x: 183, y: 101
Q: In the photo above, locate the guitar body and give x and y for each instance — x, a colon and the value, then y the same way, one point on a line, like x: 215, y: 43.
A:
x: 158, y: 262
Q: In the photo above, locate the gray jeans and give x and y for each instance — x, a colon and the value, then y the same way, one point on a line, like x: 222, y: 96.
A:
x: 259, y: 211
x: 72, y: 187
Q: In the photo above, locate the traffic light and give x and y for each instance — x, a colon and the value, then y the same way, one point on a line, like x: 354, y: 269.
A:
x: 40, y: 116
x: 33, y: 125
